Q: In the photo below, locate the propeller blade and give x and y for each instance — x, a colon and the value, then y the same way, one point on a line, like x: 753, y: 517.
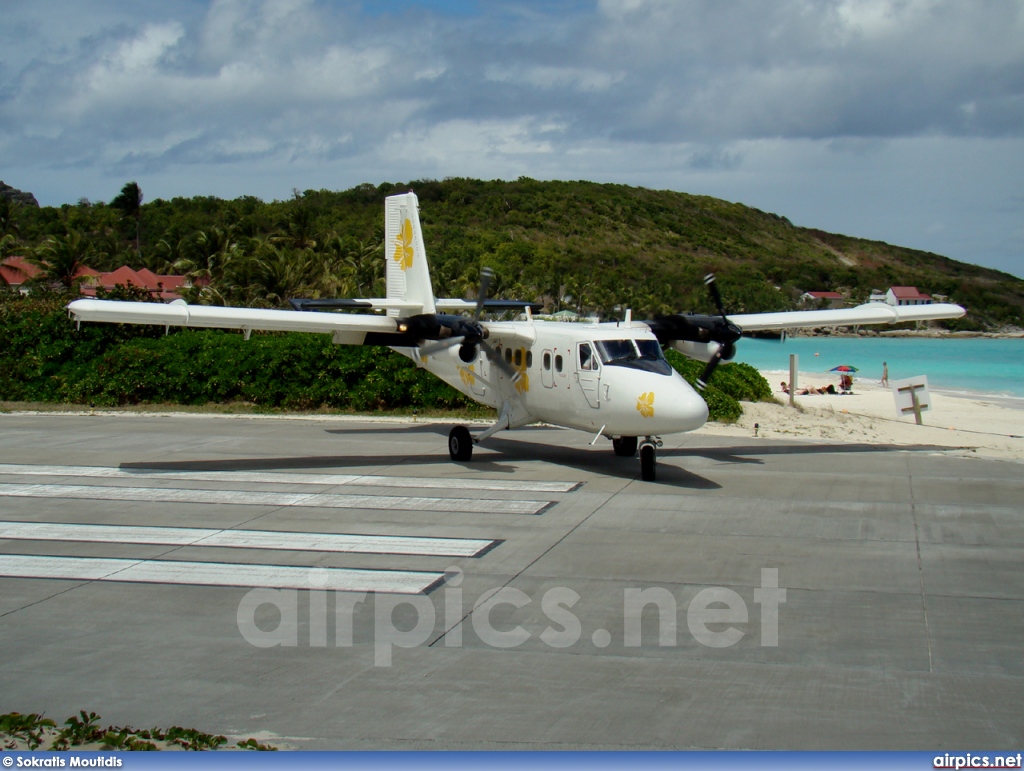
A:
x: 709, y: 370
x: 716, y: 298
x: 485, y: 282
x: 440, y: 345
x: 496, y: 359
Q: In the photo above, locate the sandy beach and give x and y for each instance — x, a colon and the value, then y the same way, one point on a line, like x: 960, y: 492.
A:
x: 974, y: 426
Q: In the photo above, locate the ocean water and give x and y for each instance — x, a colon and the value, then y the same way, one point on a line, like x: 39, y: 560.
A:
x: 981, y: 365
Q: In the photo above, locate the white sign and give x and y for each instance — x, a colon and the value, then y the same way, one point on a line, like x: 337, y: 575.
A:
x: 911, y: 396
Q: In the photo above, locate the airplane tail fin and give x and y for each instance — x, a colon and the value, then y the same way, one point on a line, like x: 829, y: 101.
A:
x: 408, y: 276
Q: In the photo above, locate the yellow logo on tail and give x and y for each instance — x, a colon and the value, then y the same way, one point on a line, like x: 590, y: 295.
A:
x: 645, y: 404
x: 403, y: 246
x: 468, y: 374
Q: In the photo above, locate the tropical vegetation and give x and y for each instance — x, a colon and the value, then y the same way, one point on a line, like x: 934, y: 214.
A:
x: 594, y: 249
x: 45, y: 358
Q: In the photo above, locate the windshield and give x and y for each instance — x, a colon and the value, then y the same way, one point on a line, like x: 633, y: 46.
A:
x: 637, y: 354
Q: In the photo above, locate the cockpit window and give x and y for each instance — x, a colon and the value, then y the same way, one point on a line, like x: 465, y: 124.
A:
x: 637, y: 354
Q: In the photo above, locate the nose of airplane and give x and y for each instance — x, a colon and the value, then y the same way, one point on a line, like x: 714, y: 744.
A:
x: 647, y: 404
x: 684, y: 409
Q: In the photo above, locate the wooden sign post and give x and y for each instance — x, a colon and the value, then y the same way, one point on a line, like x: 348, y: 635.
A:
x: 912, y: 397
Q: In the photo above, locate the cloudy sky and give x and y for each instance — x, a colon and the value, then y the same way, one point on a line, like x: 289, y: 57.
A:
x: 899, y: 120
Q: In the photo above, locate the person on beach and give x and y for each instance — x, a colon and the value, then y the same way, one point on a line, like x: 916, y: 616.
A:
x: 785, y: 387
x: 885, y: 374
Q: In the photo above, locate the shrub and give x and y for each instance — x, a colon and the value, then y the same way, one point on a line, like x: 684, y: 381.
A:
x: 45, y: 358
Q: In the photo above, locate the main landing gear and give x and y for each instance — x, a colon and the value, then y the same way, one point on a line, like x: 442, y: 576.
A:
x: 460, y: 447
x: 460, y: 444
x: 460, y: 441
x: 626, y: 446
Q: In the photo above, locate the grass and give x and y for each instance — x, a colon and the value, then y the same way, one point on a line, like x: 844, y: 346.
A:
x: 84, y: 731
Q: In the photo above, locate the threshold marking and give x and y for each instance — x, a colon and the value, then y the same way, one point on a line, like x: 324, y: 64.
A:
x: 217, y: 574
x: 280, y: 477
x: 254, y: 498
x: 248, y: 539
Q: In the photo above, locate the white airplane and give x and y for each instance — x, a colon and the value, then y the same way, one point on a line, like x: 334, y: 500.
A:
x: 610, y: 379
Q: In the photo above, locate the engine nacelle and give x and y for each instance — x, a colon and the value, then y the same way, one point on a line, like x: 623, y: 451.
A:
x: 699, y: 351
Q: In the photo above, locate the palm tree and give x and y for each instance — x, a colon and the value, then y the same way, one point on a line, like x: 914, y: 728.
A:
x: 217, y: 271
x: 579, y: 288
x: 281, y: 275
x: 8, y: 224
x: 8, y: 245
x: 129, y: 201
x: 61, y: 260
x: 335, y: 269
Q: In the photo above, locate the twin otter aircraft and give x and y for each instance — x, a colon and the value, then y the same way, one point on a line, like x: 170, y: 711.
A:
x: 609, y: 379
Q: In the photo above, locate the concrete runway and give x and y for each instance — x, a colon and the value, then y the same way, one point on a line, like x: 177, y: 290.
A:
x: 138, y: 586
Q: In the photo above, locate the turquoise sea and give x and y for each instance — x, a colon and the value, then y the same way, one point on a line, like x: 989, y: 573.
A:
x: 983, y: 365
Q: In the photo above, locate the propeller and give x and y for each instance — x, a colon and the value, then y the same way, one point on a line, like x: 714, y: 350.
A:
x: 728, y: 334
x: 470, y: 335
x: 699, y: 328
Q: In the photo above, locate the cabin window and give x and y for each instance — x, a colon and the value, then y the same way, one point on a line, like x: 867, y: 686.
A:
x: 529, y: 359
x: 508, y: 355
x: 519, y: 357
x: 547, y: 361
x: 558, y: 362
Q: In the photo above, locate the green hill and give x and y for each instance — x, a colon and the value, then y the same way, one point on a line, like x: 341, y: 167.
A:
x: 590, y: 247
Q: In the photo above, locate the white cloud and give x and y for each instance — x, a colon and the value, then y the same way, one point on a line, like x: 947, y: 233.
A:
x: 574, y: 78
x: 757, y: 101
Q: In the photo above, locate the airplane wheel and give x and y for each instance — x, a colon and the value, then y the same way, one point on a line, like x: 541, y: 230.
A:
x: 624, y: 446
x: 647, y: 462
x: 460, y: 443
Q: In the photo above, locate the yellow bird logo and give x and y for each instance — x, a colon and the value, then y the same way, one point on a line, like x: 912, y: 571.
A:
x: 467, y: 374
x: 645, y: 404
x: 403, y: 246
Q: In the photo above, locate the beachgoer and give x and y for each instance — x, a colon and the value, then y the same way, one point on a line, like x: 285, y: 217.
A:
x: 885, y: 374
x: 785, y: 387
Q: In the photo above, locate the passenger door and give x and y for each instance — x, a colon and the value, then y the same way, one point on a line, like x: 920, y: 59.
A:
x: 588, y: 373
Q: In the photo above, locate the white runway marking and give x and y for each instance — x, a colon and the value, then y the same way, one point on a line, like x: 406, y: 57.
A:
x: 279, y: 477
x: 253, y: 498
x: 217, y: 574
x: 248, y: 539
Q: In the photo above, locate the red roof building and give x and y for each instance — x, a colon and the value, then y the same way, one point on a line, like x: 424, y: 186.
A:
x: 165, y: 288
x: 906, y: 295
x: 17, y: 270
x: 835, y: 300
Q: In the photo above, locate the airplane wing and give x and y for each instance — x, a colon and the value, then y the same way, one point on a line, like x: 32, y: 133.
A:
x: 713, y: 338
x: 869, y: 313
x: 509, y: 332
x: 349, y: 329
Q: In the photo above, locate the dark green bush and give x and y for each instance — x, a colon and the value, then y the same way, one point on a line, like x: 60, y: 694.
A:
x: 44, y: 358
x: 730, y: 384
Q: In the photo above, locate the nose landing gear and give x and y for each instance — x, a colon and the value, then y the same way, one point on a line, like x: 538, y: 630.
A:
x: 648, y: 457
